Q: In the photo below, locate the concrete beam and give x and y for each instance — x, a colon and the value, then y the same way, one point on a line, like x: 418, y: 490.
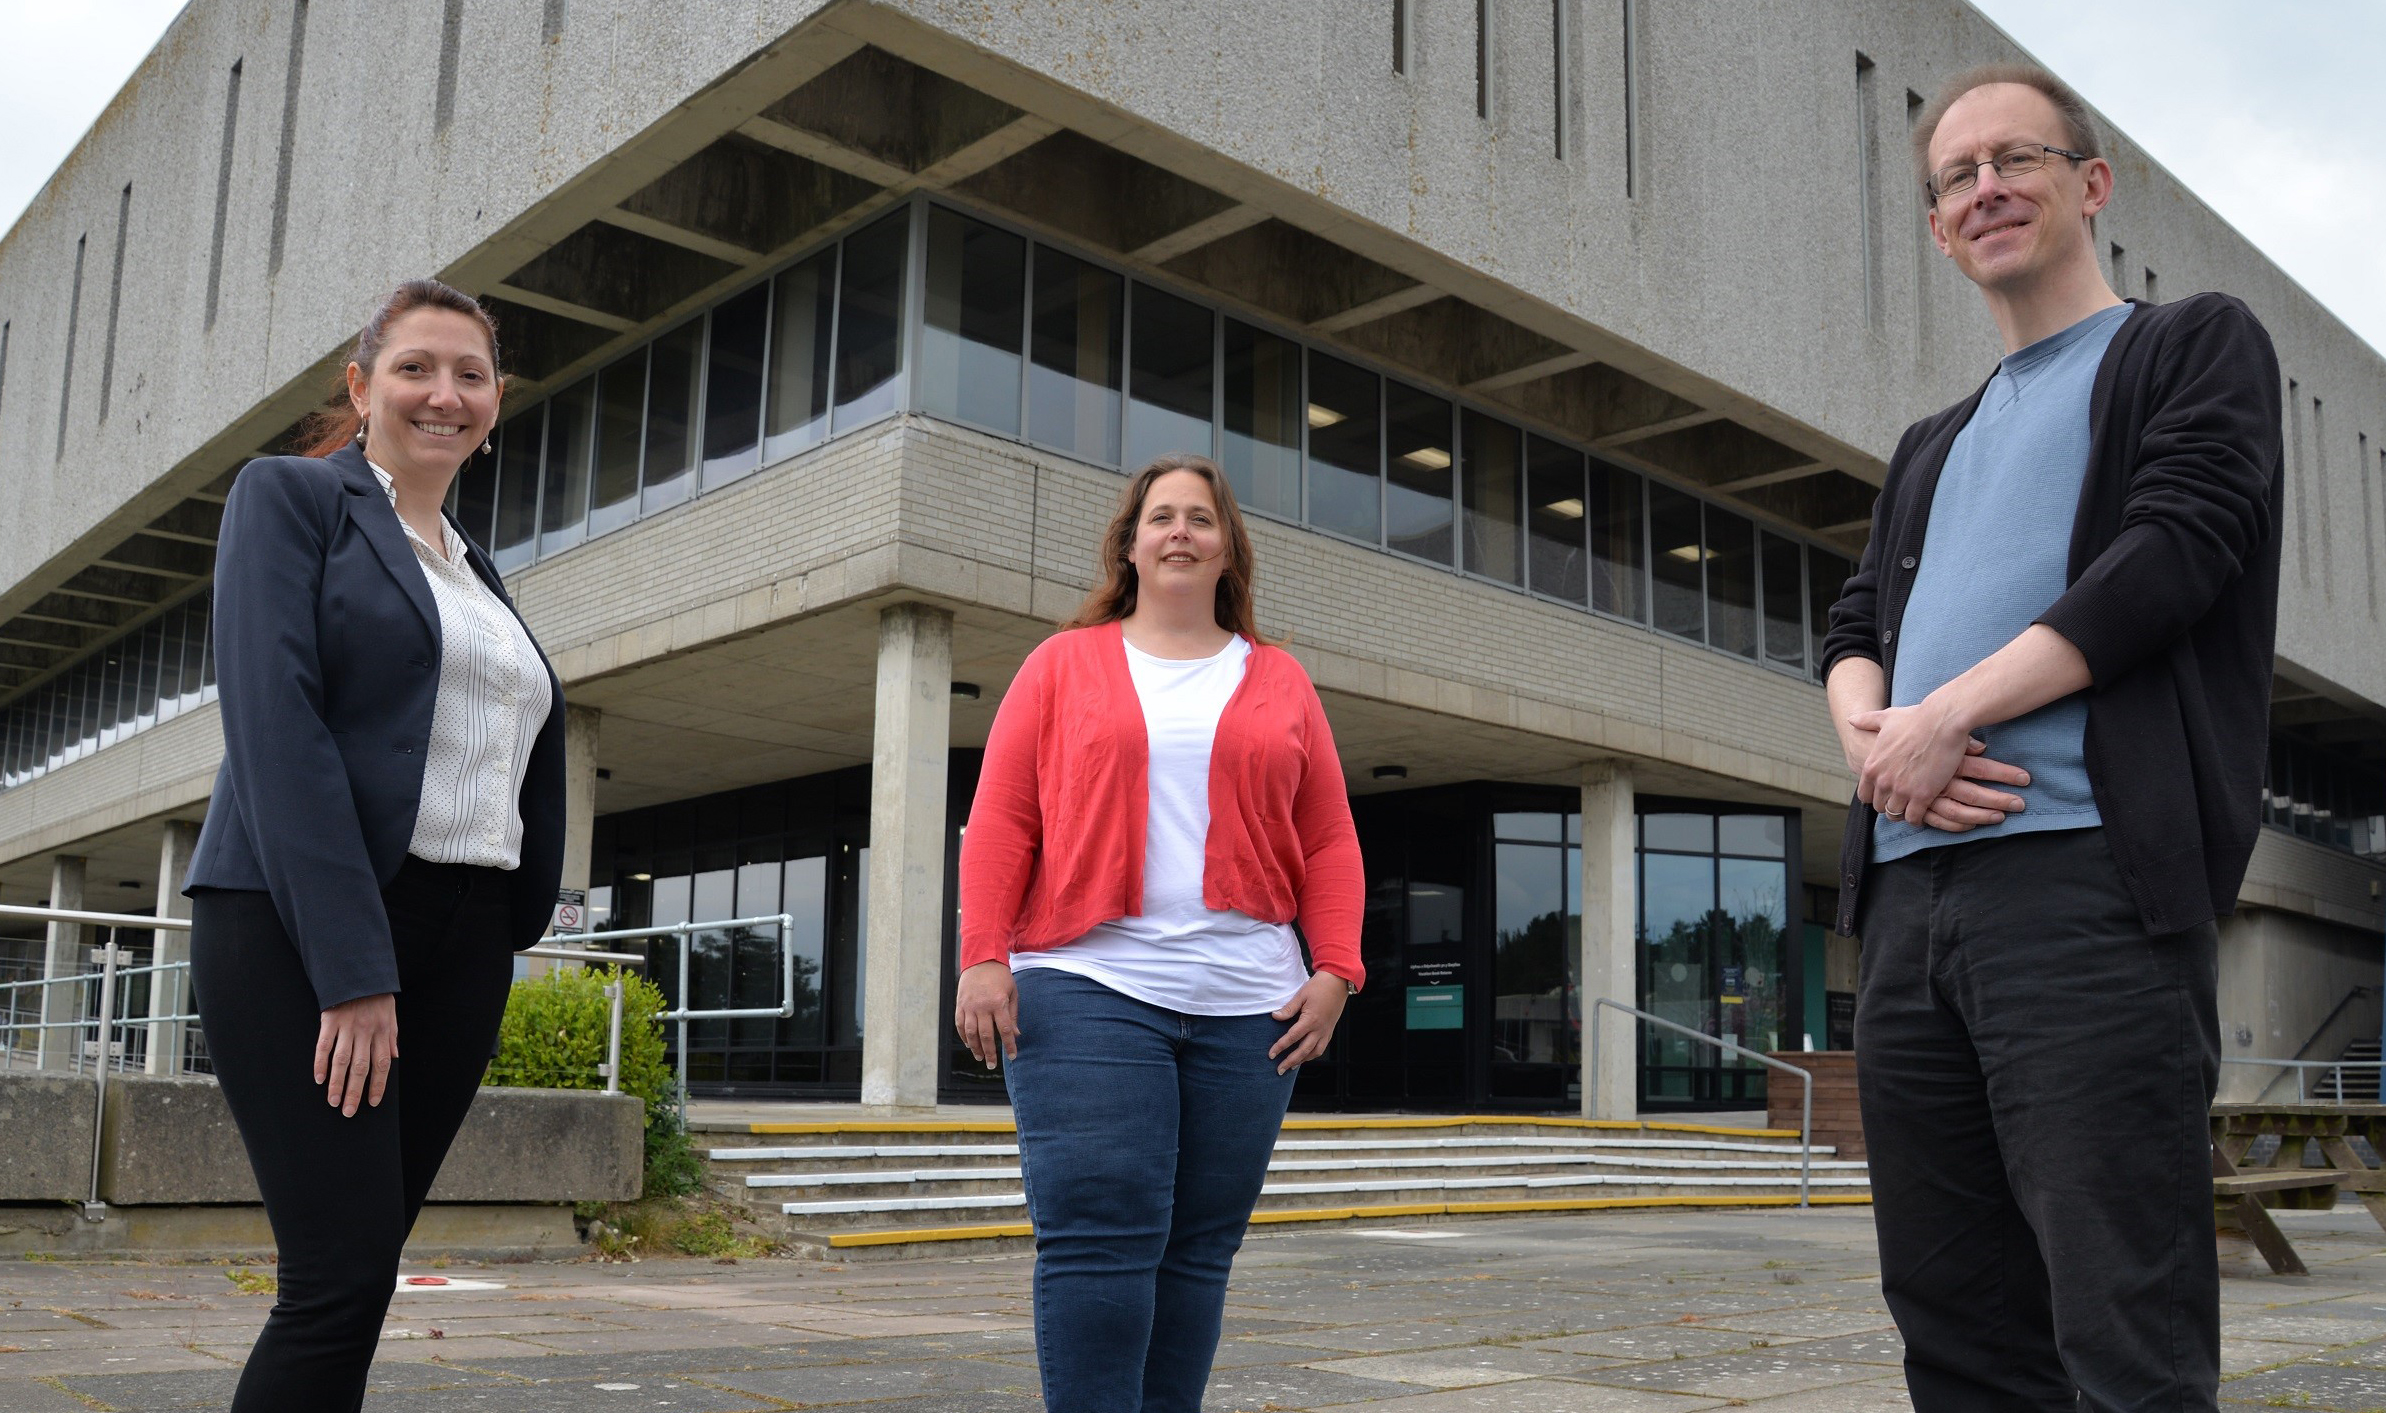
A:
x: 903, y: 1031
x: 1847, y: 527
x: 1610, y: 947
x: 1374, y: 309
x: 1186, y: 239
x: 1772, y: 478
x: 1659, y: 428
x: 680, y: 236
x: 812, y: 147
x: 562, y: 308
x: 1009, y: 140
x: 1532, y: 372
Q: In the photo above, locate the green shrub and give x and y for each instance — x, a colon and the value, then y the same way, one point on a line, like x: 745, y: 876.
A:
x: 553, y: 1037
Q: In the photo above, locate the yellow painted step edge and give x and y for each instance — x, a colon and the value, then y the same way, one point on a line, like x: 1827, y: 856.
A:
x: 1311, y: 1123
x: 1336, y: 1214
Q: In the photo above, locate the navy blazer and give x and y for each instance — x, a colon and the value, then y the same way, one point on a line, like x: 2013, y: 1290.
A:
x: 327, y: 669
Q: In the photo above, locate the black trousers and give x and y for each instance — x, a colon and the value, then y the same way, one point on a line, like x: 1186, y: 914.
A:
x: 2036, y: 1075
x: 342, y: 1193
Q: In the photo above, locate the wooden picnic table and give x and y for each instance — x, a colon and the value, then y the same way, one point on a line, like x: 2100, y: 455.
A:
x: 2244, y: 1194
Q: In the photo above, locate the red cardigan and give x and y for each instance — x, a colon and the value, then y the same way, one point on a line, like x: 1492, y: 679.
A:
x: 1055, y: 839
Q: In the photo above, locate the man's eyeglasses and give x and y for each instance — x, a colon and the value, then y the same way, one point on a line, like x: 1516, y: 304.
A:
x: 1961, y: 177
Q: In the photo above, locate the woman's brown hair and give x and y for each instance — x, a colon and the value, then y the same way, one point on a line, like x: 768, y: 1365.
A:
x: 336, y: 423
x: 1113, y: 596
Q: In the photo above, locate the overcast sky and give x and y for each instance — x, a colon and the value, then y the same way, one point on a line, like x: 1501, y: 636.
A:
x: 2269, y: 112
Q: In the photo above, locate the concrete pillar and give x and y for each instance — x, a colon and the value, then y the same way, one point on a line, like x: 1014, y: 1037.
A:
x: 62, y: 956
x: 1610, y: 941
x: 902, y: 961
x: 169, y: 992
x: 581, y: 727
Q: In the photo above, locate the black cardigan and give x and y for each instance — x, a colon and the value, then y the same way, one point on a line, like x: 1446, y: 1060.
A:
x: 2173, y: 599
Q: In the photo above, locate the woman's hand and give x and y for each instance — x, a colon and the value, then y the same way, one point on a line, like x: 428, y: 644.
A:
x: 352, y: 1053
x: 986, y: 1011
x: 1313, y: 1010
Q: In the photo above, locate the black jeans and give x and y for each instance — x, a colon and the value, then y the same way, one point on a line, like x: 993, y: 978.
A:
x: 2036, y: 1074
x: 342, y: 1193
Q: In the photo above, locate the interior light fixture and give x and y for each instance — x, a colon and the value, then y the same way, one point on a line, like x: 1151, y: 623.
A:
x: 642, y: 878
x: 1691, y: 554
x: 1321, y: 416
x: 1570, y: 507
x: 965, y: 691
x: 1432, y: 458
x: 1391, y: 772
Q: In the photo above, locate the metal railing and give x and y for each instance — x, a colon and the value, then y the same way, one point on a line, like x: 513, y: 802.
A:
x: 2303, y: 1069
x: 1806, y: 1106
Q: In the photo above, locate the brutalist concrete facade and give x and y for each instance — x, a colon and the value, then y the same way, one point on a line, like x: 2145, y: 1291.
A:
x: 1686, y: 238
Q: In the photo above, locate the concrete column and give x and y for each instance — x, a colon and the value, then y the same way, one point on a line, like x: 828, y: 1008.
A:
x: 169, y: 992
x: 1610, y: 941
x: 902, y: 961
x: 581, y: 727
x: 62, y: 956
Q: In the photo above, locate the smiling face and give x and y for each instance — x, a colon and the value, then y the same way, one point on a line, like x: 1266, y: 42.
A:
x: 431, y: 397
x: 1180, y: 543
x: 2004, y: 233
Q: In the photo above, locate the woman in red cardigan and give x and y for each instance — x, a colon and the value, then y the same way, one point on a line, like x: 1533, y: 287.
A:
x: 1160, y: 804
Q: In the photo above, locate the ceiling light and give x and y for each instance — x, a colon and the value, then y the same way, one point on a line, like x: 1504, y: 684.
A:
x: 1432, y: 458
x: 642, y: 878
x: 1570, y: 508
x: 1324, y: 416
x: 1391, y: 772
x: 1690, y: 554
x: 966, y: 691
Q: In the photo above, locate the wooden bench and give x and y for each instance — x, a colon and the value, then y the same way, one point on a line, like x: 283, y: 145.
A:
x: 2244, y: 1194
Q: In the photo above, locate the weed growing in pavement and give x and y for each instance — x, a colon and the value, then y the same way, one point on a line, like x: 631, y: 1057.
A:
x: 250, y: 1281
x: 670, y: 1226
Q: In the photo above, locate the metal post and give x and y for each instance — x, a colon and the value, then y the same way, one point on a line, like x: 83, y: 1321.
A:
x: 1806, y: 1143
x: 1597, y: 1011
x: 687, y: 940
x: 94, y: 1209
x: 613, y: 1038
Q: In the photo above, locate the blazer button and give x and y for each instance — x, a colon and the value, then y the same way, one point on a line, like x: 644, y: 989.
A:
x: 1907, y: 562
x: 1887, y: 634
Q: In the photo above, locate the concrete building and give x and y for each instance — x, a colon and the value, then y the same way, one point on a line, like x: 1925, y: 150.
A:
x: 1557, y: 351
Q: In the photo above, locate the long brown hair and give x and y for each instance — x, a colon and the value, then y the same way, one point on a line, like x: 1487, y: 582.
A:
x: 1113, y: 595
x: 336, y: 423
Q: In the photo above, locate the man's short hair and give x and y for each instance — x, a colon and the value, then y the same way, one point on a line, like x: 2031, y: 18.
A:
x: 2071, y: 110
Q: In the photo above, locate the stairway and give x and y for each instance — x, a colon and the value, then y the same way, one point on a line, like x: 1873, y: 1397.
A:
x: 2351, y: 1086
x: 885, y: 1187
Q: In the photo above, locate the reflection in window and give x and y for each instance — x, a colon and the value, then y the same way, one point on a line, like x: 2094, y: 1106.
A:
x: 1826, y: 574
x: 870, y: 322
x: 1170, y: 378
x: 1345, y: 416
x: 733, y: 387
x: 674, y: 362
x: 475, y: 496
x: 510, y: 546
x: 1731, y: 582
x: 1262, y: 450
x: 1418, y: 505
x: 1558, y: 518
x: 1619, y: 556
x: 803, y: 308
x: 620, y: 434
x: 1536, y: 968
x: 1677, y: 895
x: 1494, y: 453
x: 1785, y: 604
x: 804, y: 897
x: 1077, y: 367
x: 1677, y: 554
x: 971, y: 315
x: 563, y: 508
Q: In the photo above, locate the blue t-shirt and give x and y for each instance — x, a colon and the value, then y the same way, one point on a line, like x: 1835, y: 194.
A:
x: 1996, y: 555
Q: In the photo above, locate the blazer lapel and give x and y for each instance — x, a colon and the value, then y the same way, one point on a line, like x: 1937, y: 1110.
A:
x: 369, y: 507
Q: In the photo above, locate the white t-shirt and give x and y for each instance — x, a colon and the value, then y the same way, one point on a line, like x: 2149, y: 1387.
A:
x: 1180, y: 954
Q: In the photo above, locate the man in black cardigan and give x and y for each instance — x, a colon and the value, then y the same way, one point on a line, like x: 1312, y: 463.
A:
x: 2051, y: 675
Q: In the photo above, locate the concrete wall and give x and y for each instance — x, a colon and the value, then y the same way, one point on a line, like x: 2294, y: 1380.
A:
x: 1746, y: 165
x: 2281, y: 976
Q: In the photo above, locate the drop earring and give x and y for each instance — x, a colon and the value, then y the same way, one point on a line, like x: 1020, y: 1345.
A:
x: 488, y: 445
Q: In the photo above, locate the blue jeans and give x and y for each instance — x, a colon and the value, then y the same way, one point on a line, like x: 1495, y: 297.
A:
x: 1144, y: 1135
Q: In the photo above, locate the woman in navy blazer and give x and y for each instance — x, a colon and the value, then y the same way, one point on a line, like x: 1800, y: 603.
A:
x: 386, y: 830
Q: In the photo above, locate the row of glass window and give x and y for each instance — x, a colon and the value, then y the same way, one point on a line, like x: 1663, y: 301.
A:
x: 1025, y: 340
x: 152, y: 674
x: 2325, y: 797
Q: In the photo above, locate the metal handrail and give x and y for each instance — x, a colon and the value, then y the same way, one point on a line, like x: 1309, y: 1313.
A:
x: 1806, y: 1108
x: 2303, y: 1067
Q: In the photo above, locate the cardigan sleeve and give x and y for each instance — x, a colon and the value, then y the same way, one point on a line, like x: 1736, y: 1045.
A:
x: 1333, y: 892
x: 284, y: 765
x: 1006, y: 820
x: 2199, y: 500
x: 1855, y: 620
